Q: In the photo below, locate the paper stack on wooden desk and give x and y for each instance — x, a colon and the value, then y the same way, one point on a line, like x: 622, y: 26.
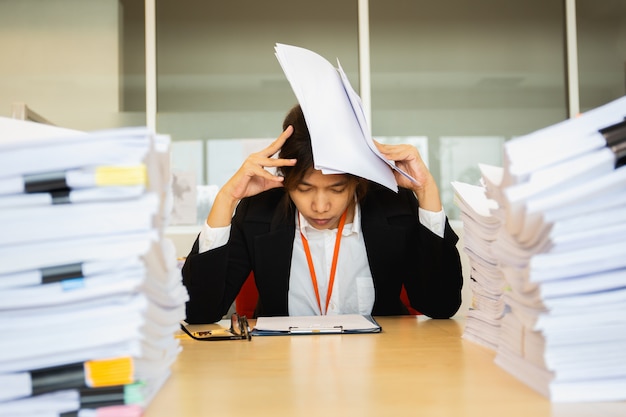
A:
x: 561, y: 249
x: 90, y: 293
x: 481, y: 226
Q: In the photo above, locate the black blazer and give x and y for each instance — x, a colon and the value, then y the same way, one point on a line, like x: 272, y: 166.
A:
x: 399, y: 250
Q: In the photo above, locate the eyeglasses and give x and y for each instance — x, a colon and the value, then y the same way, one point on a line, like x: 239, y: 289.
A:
x: 239, y: 330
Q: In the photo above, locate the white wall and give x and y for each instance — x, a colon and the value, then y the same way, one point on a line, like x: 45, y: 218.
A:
x: 62, y: 59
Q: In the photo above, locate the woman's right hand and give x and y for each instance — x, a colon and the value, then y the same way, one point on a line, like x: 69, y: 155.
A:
x: 250, y: 179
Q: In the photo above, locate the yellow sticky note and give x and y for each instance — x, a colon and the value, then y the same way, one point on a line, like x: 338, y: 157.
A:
x: 107, y: 372
x: 121, y: 175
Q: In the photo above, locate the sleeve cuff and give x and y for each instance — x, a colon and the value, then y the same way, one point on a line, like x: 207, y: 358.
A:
x: 212, y: 237
x: 435, y: 221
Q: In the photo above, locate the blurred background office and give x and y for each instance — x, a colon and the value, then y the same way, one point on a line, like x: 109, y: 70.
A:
x: 455, y: 77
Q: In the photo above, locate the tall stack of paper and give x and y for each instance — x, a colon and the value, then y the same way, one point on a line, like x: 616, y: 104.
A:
x: 480, y: 225
x: 561, y: 249
x: 90, y: 295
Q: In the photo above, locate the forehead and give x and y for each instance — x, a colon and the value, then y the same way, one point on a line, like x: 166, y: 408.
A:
x: 315, y: 178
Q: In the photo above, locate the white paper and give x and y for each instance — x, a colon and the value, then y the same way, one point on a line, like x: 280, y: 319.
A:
x: 347, y: 322
x: 68, y: 251
x: 129, y: 298
x: 340, y: 134
x: 75, y: 196
x: 90, y: 268
x: 560, y: 250
x: 561, y: 141
x: 56, y: 153
x: 24, y: 224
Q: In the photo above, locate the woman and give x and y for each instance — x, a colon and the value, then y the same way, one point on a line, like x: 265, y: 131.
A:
x: 324, y: 244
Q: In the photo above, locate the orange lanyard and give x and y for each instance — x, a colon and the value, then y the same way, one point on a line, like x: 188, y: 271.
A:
x: 333, y: 267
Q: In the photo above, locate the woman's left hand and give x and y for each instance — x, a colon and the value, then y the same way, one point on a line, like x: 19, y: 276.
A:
x: 409, y: 160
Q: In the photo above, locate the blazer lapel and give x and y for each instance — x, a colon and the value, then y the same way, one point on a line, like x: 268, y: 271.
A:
x: 273, y: 262
x: 384, y: 244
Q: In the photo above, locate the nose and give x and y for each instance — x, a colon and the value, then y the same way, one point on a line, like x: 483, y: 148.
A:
x: 320, y: 203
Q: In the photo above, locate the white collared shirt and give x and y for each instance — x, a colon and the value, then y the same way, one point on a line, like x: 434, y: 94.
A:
x: 353, y: 291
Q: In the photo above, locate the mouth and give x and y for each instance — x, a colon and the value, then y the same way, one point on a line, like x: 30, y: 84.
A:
x: 320, y: 222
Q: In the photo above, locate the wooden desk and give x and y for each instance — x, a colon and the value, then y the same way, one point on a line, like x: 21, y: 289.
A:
x: 413, y: 368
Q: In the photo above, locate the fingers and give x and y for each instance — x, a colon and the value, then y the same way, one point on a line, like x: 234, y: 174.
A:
x: 387, y: 149
x: 279, y: 142
x: 397, y: 153
x: 256, y: 167
x: 253, y: 176
x: 265, y: 158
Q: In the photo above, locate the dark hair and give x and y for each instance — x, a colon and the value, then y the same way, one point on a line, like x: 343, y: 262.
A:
x: 298, y: 147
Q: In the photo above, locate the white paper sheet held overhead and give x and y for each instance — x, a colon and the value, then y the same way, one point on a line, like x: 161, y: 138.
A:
x: 340, y: 134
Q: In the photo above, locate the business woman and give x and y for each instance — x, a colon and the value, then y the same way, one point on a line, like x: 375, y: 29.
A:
x: 324, y: 244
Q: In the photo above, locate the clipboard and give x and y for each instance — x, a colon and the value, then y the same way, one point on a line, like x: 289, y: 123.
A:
x: 312, y: 325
